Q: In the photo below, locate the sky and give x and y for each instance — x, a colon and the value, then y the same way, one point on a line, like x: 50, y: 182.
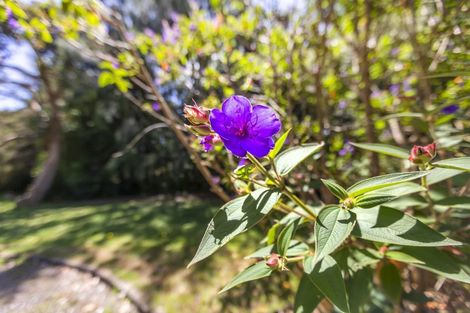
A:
x: 20, y: 55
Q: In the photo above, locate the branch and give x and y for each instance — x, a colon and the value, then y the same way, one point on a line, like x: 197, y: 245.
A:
x: 137, y: 138
x: 19, y: 69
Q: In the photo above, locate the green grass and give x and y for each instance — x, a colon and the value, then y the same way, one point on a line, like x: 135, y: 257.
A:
x: 146, y: 242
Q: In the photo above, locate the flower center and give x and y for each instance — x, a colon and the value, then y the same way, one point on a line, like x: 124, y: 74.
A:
x: 241, y: 131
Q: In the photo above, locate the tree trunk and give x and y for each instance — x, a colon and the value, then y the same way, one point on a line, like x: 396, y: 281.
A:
x: 365, y: 85
x: 42, y: 183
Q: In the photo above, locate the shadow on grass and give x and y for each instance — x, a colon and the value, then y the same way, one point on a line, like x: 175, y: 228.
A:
x: 147, y: 242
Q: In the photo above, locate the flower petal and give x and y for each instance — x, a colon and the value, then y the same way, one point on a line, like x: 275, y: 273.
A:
x: 220, y: 123
x: 264, y: 122
x: 235, y: 147
x: 258, y: 146
x: 238, y: 109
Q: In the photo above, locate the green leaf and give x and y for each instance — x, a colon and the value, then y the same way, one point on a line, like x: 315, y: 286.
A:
x: 438, y: 262
x: 359, y: 288
x: 437, y: 175
x: 355, y: 259
x: 402, y: 257
x: 105, y: 79
x: 399, y: 190
x: 332, y: 227
x: 384, y: 149
x: 283, y: 241
x: 455, y: 202
x: 326, y: 275
x: 287, y: 160
x: 390, y: 281
x: 388, y: 225
x: 307, y: 297
x: 375, y: 183
x: 254, y: 272
x: 279, y: 144
x: 338, y: 191
x: 296, y: 248
x: 234, y: 218
x: 370, y: 200
x: 462, y: 164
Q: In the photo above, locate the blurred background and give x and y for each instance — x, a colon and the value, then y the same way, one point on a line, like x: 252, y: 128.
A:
x: 96, y: 167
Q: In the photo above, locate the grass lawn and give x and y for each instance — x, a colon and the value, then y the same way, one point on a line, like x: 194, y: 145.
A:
x: 147, y: 242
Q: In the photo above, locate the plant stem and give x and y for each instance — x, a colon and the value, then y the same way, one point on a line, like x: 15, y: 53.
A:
x: 262, y: 168
x: 296, y: 199
x: 424, y: 183
x: 281, y: 185
x: 288, y: 209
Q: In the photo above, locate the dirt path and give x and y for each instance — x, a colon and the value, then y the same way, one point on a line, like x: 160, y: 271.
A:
x: 38, y: 287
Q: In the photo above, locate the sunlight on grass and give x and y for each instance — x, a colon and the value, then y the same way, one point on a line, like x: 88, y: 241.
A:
x: 147, y: 243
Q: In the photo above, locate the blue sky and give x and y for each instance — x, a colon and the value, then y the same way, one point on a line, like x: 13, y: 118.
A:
x: 20, y: 55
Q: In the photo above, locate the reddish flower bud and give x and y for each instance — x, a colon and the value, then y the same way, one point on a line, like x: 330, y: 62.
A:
x: 273, y: 260
x: 199, y: 130
x: 196, y: 115
x: 422, y: 154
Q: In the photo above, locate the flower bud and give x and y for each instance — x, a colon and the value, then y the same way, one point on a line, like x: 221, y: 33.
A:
x: 196, y: 115
x: 199, y: 130
x: 209, y: 141
x: 349, y: 203
x: 422, y: 154
x: 273, y: 260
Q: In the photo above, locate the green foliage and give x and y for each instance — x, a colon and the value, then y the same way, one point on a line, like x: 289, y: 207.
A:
x: 287, y: 160
x: 456, y: 163
x: 335, y: 189
x: 333, y: 226
x: 380, y: 182
x: 388, y: 225
x: 235, y: 217
x: 326, y: 276
x: 307, y: 297
x: 384, y: 149
x: 256, y: 271
x: 284, y: 239
x: 391, y: 282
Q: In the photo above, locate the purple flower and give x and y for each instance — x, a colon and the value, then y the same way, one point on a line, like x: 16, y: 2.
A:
x: 407, y: 85
x: 394, y: 52
x: 149, y: 32
x: 394, y: 89
x: 209, y: 141
x: 243, y: 162
x: 170, y: 34
x: 245, y: 128
x: 450, y: 109
x: 11, y: 21
x: 216, y: 180
x: 347, y: 148
x: 156, y: 106
x: 342, y: 105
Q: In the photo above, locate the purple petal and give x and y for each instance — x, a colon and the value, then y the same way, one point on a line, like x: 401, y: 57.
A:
x: 238, y: 108
x: 450, y: 109
x: 264, y: 122
x: 259, y: 147
x: 235, y: 147
x: 222, y: 124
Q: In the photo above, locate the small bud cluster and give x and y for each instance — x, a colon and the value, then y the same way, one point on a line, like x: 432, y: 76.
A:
x: 422, y: 154
x: 348, y: 203
x: 275, y: 261
x: 198, y: 118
